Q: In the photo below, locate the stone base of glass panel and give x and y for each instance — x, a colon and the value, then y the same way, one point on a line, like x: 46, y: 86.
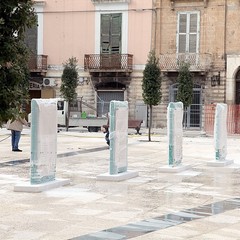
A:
x: 219, y: 163
x: 117, y: 177
x: 174, y: 169
x: 34, y: 188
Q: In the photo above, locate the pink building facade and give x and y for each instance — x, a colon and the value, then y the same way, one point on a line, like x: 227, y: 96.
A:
x: 111, y: 41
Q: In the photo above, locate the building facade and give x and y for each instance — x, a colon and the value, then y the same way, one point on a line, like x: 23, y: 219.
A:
x: 111, y: 40
x: 204, y: 33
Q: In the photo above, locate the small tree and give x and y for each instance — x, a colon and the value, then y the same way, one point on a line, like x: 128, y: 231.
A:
x: 185, y: 88
x: 151, y: 85
x: 69, y: 84
x: 15, y: 17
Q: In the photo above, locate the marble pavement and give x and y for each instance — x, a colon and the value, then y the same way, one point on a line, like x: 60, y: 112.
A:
x: 201, y: 203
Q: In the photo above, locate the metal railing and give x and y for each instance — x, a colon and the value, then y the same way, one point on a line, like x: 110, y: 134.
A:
x: 233, y: 119
x: 198, y: 62
x: 109, y: 62
x: 38, y: 63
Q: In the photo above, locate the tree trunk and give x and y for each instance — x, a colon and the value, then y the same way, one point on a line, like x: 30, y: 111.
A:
x: 67, y: 117
x: 150, y: 124
x: 185, y: 117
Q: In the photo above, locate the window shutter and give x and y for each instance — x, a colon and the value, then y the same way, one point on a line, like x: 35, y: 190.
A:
x: 187, y: 37
x: 183, y: 23
x: 116, y: 33
x: 182, y: 35
x: 111, y: 25
x: 193, y: 33
x: 105, y: 33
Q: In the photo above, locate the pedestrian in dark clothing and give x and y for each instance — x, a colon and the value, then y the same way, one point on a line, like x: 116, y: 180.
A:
x: 105, y: 130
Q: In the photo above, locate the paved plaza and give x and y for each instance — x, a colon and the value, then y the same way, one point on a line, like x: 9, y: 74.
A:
x: 201, y: 203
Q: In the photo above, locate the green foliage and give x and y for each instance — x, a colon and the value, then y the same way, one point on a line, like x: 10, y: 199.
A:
x: 69, y: 80
x: 151, y: 84
x: 185, y: 85
x: 15, y: 17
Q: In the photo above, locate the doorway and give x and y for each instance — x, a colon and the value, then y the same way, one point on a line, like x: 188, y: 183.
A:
x: 193, y: 114
x: 237, y: 102
x: 103, y: 100
x: 237, y: 96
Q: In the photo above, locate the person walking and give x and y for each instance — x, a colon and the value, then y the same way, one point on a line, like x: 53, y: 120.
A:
x: 16, y: 127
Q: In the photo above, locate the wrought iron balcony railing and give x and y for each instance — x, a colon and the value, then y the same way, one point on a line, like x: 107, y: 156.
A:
x: 38, y: 63
x: 198, y: 62
x: 108, y: 62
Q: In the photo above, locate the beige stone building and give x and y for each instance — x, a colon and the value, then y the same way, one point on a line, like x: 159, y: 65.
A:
x: 206, y: 34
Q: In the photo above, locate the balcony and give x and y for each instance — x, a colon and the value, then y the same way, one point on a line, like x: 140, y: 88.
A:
x: 198, y: 62
x: 108, y: 62
x: 38, y: 63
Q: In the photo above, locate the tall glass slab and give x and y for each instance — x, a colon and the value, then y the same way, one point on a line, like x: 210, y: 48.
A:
x: 118, y: 136
x: 43, y: 140
x: 175, y: 133
x: 220, y: 132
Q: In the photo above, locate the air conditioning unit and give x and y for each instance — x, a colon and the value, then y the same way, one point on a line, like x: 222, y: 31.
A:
x: 49, y: 82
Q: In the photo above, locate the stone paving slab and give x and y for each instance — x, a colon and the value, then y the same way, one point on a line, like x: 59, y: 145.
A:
x: 88, y: 206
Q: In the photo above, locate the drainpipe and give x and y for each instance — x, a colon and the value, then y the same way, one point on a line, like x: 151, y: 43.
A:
x: 160, y: 28
x: 154, y: 9
x: 153, y: 46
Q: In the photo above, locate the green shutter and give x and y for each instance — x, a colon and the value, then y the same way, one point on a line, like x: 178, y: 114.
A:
x: 105, y: 33
x: 116, y: 33
x: 111, y: 25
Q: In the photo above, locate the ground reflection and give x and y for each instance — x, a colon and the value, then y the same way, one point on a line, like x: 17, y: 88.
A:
x: 154, y: 224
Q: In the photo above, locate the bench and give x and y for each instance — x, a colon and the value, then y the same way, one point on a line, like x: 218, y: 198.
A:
x: 136, y: 124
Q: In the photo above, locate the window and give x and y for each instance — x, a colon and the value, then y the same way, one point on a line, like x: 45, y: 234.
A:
x: 188, y: 32
x: 193, y: 114
x: 60, y: 105
x: 111, y: 25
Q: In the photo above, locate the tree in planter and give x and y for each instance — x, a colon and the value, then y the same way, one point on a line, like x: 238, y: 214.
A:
x: 151, y: 85
x: 15, y: 17
x: 69, y: 84
x: 185, y: 88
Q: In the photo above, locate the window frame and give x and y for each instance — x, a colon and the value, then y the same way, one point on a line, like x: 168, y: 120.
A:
x: 111, y: 8
x: 188, y: 33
